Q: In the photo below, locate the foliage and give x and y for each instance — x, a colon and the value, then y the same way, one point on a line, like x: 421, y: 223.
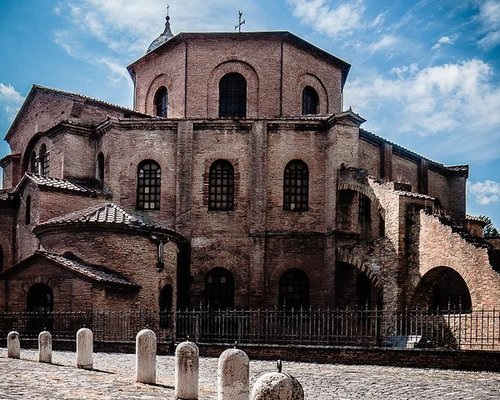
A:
x: 489, y: 230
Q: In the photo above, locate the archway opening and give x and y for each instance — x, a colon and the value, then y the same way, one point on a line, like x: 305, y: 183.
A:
x: 354, y: 289
x: 166, y: 306
x: 219, y: 289
x: 40, y: 304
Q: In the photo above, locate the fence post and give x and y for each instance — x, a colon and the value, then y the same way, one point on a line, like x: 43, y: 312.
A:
x: 45, y: 347
x: 186, y: 371
x: 84, y: 349
x: 233, y: 375
x: 145, y: 356
x: 13, y: 345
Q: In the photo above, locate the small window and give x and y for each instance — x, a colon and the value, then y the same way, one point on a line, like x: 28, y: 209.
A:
x: 310, y: 101
x: 364, y: 214
x: 161, y: 102
x: 219, y: 289
x: 148, y: 185
x: 296, y: 186
x: 294, y: 289
x: 44, y: 161
x: 221, y: 186
x: 233, y: 96
x: 100, y: 168
x: 28, y: 210
x: 33, y: 163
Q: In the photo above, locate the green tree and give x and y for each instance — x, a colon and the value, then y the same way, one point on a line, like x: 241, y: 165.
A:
x: 489, y: 230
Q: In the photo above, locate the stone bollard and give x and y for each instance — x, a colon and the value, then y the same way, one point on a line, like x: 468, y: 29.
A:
x: 45, y: 347
x: 13, y: 345
x: 84, y: 348
x: 277, y: 386
x: 232, y: 375
x: 186, y: 371
x: 145, y: 357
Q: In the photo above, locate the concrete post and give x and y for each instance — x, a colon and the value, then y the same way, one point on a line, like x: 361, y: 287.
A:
x: 277, y: 386
x: 13, y: 345
x: 233, y: 375
x: 84, y: 348
x: 145, y: 357
x: 186, y: 371
x: 45, y: 347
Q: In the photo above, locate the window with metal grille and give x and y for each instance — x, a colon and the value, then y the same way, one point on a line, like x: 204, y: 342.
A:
x: 294, y: 289
x: 310, y: 101
x: 221, y: 186
x: 161, y: 102
x: 233, y: 96
x: 296, y: 186
x: 148, y: 185
x: 44, y: 161
x: 33, y: 163
x: 364, y: 213
x: 219, y: 289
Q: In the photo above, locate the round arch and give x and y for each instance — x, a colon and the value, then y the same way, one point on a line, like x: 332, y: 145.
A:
x: 311, y: 80
x: 219, y: 289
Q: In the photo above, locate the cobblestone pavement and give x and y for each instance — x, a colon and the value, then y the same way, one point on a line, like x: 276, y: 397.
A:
x: 113, y: 378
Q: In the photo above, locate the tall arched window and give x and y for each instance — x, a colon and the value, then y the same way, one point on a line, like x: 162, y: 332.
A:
x: 296, y: 186
x: 1, y: 258
x: 219, y: 289
x: 294, y: 289
x: 233, y: 96
x: 28, y: 210
x: 310, y: 101
x: 100, y: 168
x: 148, y: 185
x: 221, y: 186
x: 165, y: 306
x: 33, y: 163
x: 161, y: 102
x: 44, y: 161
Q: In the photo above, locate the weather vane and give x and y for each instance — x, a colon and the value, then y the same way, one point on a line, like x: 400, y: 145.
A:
x: 240, y: 22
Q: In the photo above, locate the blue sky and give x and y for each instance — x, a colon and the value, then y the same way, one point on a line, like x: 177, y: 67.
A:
x: 425, y: 74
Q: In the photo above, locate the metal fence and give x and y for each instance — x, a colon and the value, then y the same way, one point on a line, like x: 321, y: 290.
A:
x: 450, y: 329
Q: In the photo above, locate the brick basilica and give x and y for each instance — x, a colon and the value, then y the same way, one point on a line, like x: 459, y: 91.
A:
x: 238, y: 180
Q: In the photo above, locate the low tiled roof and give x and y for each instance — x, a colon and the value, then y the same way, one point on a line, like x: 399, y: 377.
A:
x: 96, y: 273
x: 60, y: 184
x: 474, y: 218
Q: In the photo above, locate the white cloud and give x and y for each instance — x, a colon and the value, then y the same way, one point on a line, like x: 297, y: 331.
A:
x: 486, y: 192
x: 10, y: 99
x: 460, y: 102
x: 343, y: 20
x: 379, y: 21
x: 387, y: 42
x: 445, y: 40
x: 489, y: 17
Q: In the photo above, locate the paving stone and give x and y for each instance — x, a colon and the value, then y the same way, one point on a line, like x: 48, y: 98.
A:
x: 113, y: 379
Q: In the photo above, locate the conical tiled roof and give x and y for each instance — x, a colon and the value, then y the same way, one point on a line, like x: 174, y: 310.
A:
x: 163, y: 38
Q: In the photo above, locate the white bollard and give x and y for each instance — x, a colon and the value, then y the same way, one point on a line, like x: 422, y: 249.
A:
x: 186, y: 371
x: 145, y: 356
x: 84, y: 348
x: 232, y: 375
x: 45, y: 347
x: 277, y: 386
x: 13, y: 345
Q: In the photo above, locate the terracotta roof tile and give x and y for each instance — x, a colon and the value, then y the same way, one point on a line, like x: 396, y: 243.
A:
x: 96, y: 273
x: 62, y: 184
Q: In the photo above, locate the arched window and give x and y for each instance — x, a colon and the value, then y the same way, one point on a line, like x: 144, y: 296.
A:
x: 219, y: 289
x: 165, y: 306
x: 40, y: 306
x: 33, y: 163
x: 221, y: 186
x: 28, y: 210
x: 44, y: 161
x: 310, y: 101
x: 296, y: 186
x: 100, y: 168
x: 364, y: 209
x: 1, y: 258
x: 148, y: 185
x: 294, y: 289
x: 233, y: 96
x: 161, y: 102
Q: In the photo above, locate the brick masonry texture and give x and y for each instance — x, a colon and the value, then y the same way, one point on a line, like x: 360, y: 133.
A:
x: 375, y: 211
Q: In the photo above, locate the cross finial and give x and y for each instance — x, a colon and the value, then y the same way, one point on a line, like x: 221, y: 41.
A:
x: 240, y: 22
x: 168, y: 9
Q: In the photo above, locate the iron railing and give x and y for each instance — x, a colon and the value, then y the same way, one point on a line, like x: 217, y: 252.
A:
x: 451, y: 329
